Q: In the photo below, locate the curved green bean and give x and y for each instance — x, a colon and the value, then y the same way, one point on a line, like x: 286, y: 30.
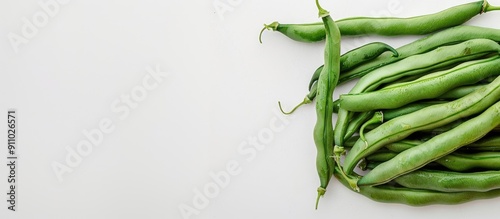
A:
x: 448, y: 181
x: 389, y: 26
x: 461, y: 162
x: 460, y: 91
x: 323, y: 130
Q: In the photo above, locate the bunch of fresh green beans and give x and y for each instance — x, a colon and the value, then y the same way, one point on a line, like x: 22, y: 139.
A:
x: 423, y: 121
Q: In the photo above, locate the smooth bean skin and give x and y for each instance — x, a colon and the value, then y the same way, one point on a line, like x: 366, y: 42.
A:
x: 417, y: 197
x: 429, y: 86
x: 490, y: 143
x: 323, y: 129
x: 435, y: 116
x: 407, y: 109
x: 414, y: 25
x: 448, y: 181
x: 460, y: 91
x: 461, y: 162
x: 381, y: 156
x: 435, y: 148
x: 386, y: 26
x: 455, y: 161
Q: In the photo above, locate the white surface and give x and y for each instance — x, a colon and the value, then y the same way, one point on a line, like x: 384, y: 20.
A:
x: 221, y: 90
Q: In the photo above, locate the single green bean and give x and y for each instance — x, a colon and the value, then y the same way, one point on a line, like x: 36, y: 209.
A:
x: 460, y: 91
x: 323, y: 130
x: 461, y: 162
x: 488, y: 143
x: 389, y: 26
x: 449, y: 181
x: 491, y: 142
x: 456, y: 161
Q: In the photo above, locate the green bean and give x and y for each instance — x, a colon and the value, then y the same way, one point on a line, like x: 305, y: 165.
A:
x: 358, y: 56
x: 417, y: 197
x: 448, y: 181
x: 409, y: 108
x: 378, y: 117
x: 423, y: 63
x: 460, y: 91
x: 402, y: 145
x: 323, y: 130
x: 389, y: 26
x: 437, y: 147
x: 347, y: 61
x: 455, y: 161
x: 387, y: 115
x: 418, y: 25
x: 414, y: 65
x: 490, y: 142
x: 363, y: 54
x: 461, y: 162
x: 446, y: 37
x: 357, y: 122
x: 381, y: 156
x: 425, y: 87
x: 435, y: 116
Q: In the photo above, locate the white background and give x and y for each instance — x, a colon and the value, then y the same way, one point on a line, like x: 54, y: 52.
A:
x: 221, y: 91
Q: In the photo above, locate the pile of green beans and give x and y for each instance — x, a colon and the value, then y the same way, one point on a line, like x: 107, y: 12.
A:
x: 422, y: 121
